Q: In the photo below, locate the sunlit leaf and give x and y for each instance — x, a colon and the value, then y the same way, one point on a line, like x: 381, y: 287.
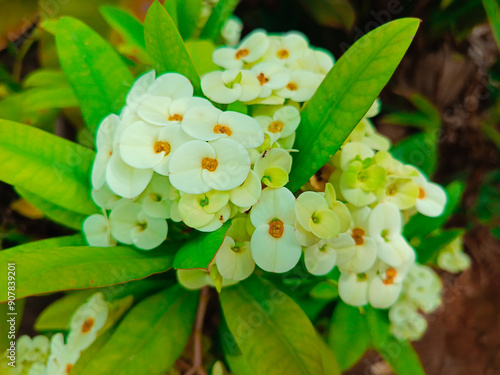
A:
x: 97, y: 74
x: 188, y: 13
x: 51, y: 167
x: 346, y: 94
x: 163, y: 323
x: 269, y: 327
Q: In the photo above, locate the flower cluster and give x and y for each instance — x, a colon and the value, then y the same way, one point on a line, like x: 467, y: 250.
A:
x: 39, y: 356
x: 452, y: 257
x: 267, y: 69
x: 421, y: 291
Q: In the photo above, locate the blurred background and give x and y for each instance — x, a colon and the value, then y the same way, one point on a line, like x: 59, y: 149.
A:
x: 442, y: 105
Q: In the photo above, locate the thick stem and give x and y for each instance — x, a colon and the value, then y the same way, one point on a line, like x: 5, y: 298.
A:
x: 198, y: 334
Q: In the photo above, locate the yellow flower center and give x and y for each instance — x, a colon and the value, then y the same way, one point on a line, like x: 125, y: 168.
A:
x: 421, y: 193
x: 175, y: 117
x: 69, y: 366
x: 276, y: 228
x: 87, y: 325
x: 292, y: 86
x: 262, y: 79
x: 283, y: 54
x: 209, y: 164
x: 161, y: 146
x: 222, y: 129
x: 241, y: 53
x: 275, y: 126
x: 357, y: 235
x: 390, y: 274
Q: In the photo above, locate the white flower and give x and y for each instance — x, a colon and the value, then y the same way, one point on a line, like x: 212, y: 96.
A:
x: 231, y: 85
x: 354, y: 150
x: 231, y: 31
x: 315, y: 216
x: 353, y: 287
x: 431, y: 198
x: 385, y: 287
x: 251, y: 49
x: 156, y: 200
x: 315, y: 61
x: 274, y: 245
x: 87, y: 321
x: 146, y: 146
x: 198, y: 210
x: 301, y: 87
x: 139, y: 88
x: 62, y: 357
x: 124, y: 180
x: 282, y: 124
x: 105, y: 197
x: 287, y: 48
x: 171, y: 85
x: 163, y: 111
x: 271, y: 76
x: 130, y: 225
x: 209, y: 123
x: 320, y: 258
x: 197, y: 167
x: 234, y: 260
x: 97, y: 231
x: 384, y: 226
x: 104, y: 144
x: 248, y: 193
x: 34, y: 349
x: 273, y: 167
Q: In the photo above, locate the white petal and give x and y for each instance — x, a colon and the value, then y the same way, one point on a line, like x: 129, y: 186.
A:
x: 245, y: 130
x: 185, y: 167
x: 275, y: 254
x: 250, y: 86
x: 99, y: 167
x: 380, y: 295
x: 137, y: 146
x: 363, y: 258
x: 307, y: 203
x: 123, y: 219
x: 154, y: 109
x: 215, y: 89
x: 140, y: 87
x: 192, y: 213
x: 199, y: 122
x: 233, y: 165
x: 274, y: 203
x: 193, y: 279
x: 385, y: 217
x: 248, y: 193
x: 225, y: 58
x: 352, y: 290
x: 290, y: 116
x: 353, y: 149
x: 173, y: 85
x: 97, y: 232
x: 124, y: 180
x: 154, y: 233
x: 319, y: 262
x: 235, y: 264
x: 345, y: 247
x: 433, y: 202
x: 175, y: 137
x: 106, y: 132
x: 257, y: 43
x: 218, y: 220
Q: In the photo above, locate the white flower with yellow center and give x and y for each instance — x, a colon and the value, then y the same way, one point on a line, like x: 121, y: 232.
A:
x: 198, y: 210
x: 62, y: 356
x: 353, y: 287
x: 286, y: 49
x: 145, y: 146
x: 274, y: 245
x: 402, y: 192
x: 282, y: 124
x: 385, y: 287
x: 314, y: 215
x: 273, y: 167
x: 197, y: 167
x: 130, y: 225
x: 87, y: 321
x: 231, y: 85
x: 163, y: 111
x: 97, y: 231
x: 384, y: 226
x: 271, y: 77
x: 234, y: 258
x: 251, y: 49
x: 301, y: 87
x: 357, y: 251
x: 209, y: 124
x: 314, y: 60
x: 431, y: 198
x: 105, y: 148
x: 124, y: 180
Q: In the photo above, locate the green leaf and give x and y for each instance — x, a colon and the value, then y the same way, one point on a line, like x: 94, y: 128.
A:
x: 232, y: 353
x: 88, y: 354
x: 99, y: 77
x: 129, y: 27
x: 188, y: 13
x: 419, y: 150
x: 331, y: 13
x: 5, y: 338
x: 201, y: 250
x: 399, y: 355
x: 492, y: 8
x: 151, y: 336
x: 201, y: 54
x: 346, y: 94
x: 325, y: 290
x: 328, y: 358
x: 165, y: 46
x: 52, y: 211
x: 222, y: 11
x: 420, y: 226
x: 57, y: 315
x: 171, y: 8
x: 46, y: 77
x: 426, y: 118
x: 269, y: 327
x: 50, y: 97
x: 44, y: 267
x: 51, y: 167
x: 349, y: 337
x: 428, y: 249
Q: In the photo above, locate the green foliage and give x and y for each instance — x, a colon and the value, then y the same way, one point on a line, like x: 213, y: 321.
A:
x: 46, y: 165
x: 165, y: 46
x: 428, y: 248
x: 492, y: 8
x: 162, y: 322
x: 232, y: 353
x: 64, y: 264
x: 346, y: 94
x: 420, y: 226
x: 419, y: 150
x: 426, y: 118
x: 267, y: 325
x: 100, y: 79
x: 201, y: 250
x: 188, y: 14
x: 222, y: 11
x: 46, y: 77
x: 201, y: 54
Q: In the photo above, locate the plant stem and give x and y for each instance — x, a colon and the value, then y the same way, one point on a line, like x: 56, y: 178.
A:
x: 198, y: 334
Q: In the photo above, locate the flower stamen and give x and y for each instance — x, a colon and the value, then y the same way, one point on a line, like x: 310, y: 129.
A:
x: 209, y: 164
x: 222, y: 129
x: 276, y: 228
x: 161, y: 146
